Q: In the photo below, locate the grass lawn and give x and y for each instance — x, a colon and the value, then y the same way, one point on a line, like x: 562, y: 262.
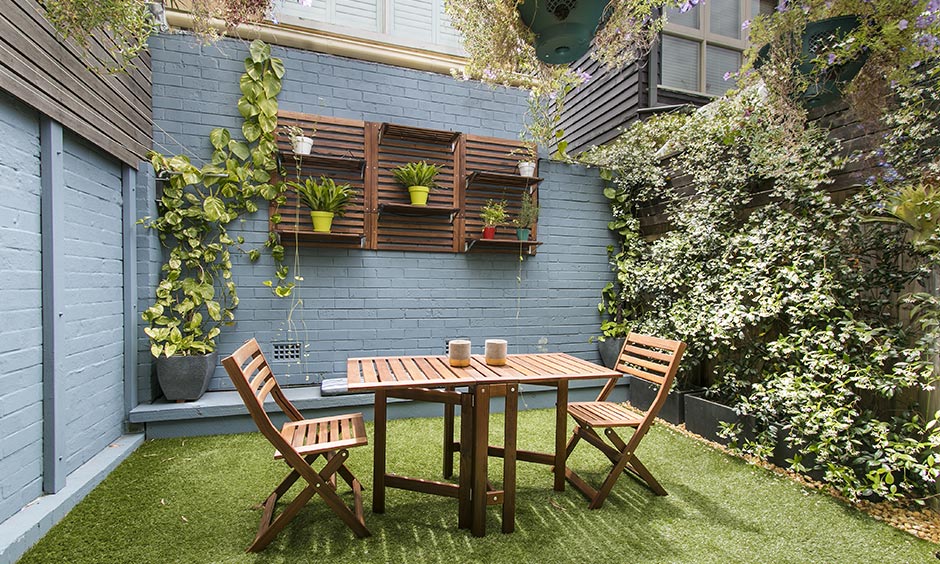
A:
x: 196, y: 500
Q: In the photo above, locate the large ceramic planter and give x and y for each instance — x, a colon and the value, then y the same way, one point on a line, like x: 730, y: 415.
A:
x: 322, y: 221
x: 301, y: 145
x: 419, y: 195
x: 642, y: 394
x: 185, y: 378
x: 610, y: 350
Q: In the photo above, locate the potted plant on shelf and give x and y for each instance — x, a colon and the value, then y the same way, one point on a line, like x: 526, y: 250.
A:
x: 419, y: 179
x: 299, y: 143
x: 493, y: 214
x: 528, y: 215
x: 528, y: 154
x: 326, y: 200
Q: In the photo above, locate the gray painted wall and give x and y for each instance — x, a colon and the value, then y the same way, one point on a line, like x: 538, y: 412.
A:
x: 20, y: 307
x: 93, y: 278
x: 353, y: 302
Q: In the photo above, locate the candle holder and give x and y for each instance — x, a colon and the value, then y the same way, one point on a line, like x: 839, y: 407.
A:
x: 458, y: 352
x: 495, y: 352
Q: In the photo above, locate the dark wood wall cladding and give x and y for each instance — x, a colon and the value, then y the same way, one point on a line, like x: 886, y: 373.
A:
x: 855, y: 135
x: 51, y: 75
x: 364, y: 154
x: 595, y: 112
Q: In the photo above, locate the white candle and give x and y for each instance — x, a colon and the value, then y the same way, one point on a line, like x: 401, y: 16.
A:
x: 495, y: 352
x: 459, y: 352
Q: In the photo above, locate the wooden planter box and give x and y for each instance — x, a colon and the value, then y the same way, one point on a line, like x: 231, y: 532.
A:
x: 642, y: 394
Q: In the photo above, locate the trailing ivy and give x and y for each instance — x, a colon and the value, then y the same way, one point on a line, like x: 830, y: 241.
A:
x: 793, y: 304
x: 197, y: 295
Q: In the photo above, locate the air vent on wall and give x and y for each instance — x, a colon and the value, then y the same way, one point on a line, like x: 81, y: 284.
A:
x: 286, y: 352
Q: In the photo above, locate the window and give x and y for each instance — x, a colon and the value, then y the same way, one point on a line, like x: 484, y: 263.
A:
x: 702, y: 45
x: 421, y: 24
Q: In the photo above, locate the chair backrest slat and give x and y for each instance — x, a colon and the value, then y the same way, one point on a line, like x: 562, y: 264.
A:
x: 627, y: 369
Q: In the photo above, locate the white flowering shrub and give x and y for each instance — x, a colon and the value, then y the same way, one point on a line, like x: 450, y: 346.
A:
x: 795, y: 305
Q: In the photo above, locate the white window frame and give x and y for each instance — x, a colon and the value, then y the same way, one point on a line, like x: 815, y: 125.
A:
x: 704, y: 38
x: 382, y: 33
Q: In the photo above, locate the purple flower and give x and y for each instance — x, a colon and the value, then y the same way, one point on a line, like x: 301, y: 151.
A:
x: 583, y: 75
x: 745, y: 24
x: 831, y: 58
x: 307, y: 3
x: 902, y: 25
x: 728, y: 75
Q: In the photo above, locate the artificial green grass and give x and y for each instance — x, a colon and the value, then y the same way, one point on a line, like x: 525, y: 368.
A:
x: 196, y: 500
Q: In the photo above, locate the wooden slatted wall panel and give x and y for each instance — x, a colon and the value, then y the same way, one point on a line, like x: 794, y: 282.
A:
x: 334, y: 137
x: 111, y: 111
x: 394, y: 232
x: 492, y: 154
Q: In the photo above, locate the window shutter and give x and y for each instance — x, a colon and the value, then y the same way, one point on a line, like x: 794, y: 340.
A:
x: 360, y: 14
x: 680, y: 61
x: 413, y: 19
x: 317, y: 11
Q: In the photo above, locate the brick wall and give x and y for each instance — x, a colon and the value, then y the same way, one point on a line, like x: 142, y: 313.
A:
x: 20, y: 307
x: 354, y: 302
x: 93, y: 282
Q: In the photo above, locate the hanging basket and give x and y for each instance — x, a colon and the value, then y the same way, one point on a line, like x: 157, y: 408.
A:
x: 563, y: 28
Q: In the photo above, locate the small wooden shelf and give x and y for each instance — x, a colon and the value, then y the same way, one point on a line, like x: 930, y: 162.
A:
x: 501, y: 179
x: 418, y: 211
x: 410, y: 133
x: 318, y: 161
x: 315, y: 238
x: 500, y: 245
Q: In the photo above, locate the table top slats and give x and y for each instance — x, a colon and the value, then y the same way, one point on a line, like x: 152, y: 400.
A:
x: 374, y: 373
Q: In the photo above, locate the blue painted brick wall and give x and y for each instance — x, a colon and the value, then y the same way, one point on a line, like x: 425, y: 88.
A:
x: 354, y: 302
x: 93, y: 279
x: 20, y: 307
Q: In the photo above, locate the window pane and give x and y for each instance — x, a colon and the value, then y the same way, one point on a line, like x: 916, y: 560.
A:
x: 688, y: 19
x: 680, y: 63
x: 724, y: 18
x: 719, y: 61
x: 762, y: 7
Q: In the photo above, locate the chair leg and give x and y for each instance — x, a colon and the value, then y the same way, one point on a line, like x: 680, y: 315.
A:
x: 637, y: 467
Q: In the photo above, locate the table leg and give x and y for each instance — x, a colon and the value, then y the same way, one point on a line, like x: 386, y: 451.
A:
x: 509, y: 458
x: 448, y: 469
x: 378, y: 465
x: 561, y: 434
x: 481, y: 417
x: 465, y: 480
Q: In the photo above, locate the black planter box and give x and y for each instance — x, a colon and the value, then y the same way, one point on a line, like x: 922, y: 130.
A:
x: 642, y: 394
x: 704, y: 417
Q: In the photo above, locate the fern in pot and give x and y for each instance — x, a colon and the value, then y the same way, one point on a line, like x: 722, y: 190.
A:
x: 326, y: 200
x: 419, y: 179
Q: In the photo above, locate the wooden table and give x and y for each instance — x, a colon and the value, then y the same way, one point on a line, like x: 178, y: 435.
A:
x: 420, y: 377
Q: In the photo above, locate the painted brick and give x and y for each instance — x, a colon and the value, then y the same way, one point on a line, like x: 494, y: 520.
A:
x: 92, y: 274
x: 367, y: 302
x: 20, y: 307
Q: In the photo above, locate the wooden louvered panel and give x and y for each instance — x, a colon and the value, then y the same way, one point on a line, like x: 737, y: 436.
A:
x: 490, y: 174
x: 400, y: 232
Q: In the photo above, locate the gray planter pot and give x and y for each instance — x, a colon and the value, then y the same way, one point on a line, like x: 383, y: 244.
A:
x: 642, y: 394
x: 186, y: 378
x: 610, y: 349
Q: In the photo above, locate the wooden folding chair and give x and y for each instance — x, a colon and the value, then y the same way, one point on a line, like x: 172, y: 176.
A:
x: 299, y: 443
x: 652, y: 359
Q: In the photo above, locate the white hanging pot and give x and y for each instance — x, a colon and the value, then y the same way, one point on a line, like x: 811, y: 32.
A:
x: 301, y: 144
x: 526, y: 168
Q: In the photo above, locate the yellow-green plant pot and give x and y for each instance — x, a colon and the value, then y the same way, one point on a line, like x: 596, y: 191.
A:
x: 322, y: 221
x: 419, y: 195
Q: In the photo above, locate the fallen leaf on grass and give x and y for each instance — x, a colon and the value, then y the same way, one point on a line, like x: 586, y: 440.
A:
x: 555, y: 505
x: 183, y: 517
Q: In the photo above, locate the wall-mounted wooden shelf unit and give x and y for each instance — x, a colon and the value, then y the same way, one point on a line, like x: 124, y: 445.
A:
x: 505, y: 245
x: 408, y: 210
x: 473, y: 170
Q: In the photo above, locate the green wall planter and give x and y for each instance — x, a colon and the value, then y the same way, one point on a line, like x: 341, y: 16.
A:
x: 563, y: 28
